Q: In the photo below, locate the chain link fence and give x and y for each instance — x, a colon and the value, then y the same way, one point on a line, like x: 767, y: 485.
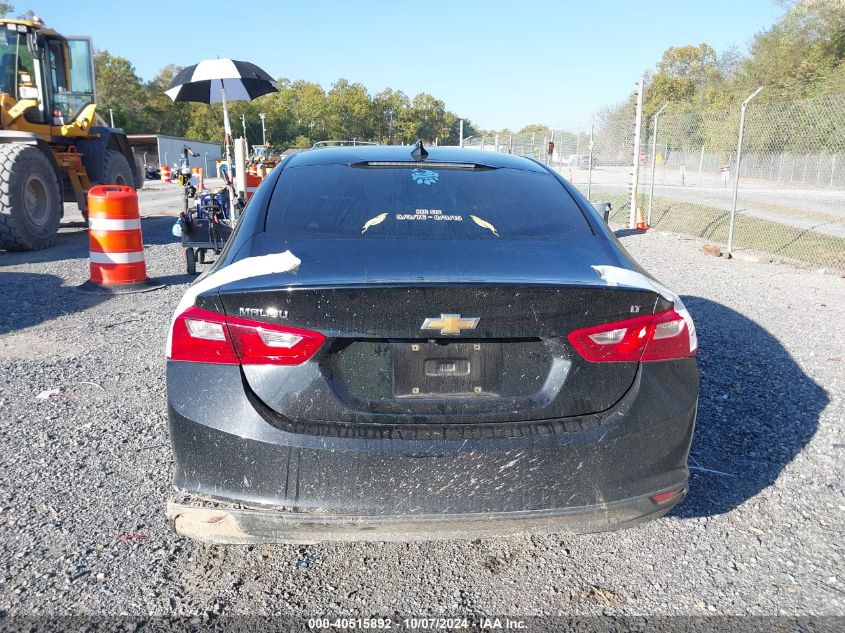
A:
x: 790, y: 193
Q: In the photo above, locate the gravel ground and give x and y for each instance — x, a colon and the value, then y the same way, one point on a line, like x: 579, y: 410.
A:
x: 85, y: 475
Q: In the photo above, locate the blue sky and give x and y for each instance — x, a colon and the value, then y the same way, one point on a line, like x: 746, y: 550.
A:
x: 502, y: 64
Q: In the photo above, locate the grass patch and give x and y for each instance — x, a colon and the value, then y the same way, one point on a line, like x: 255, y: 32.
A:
x: 767, y: 236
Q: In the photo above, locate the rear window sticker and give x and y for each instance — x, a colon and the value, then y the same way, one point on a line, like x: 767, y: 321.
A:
x: 381, y: 217
x: 424, y: 176
x: 430, y: 214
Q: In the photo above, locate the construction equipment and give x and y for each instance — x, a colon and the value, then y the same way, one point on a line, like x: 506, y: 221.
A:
x: 53, y: 145
x: 206, y: 227
x: 264, y: 156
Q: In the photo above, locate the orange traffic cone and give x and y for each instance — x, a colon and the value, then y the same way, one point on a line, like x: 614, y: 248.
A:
x: 115, y: 242
x: 641, y: 223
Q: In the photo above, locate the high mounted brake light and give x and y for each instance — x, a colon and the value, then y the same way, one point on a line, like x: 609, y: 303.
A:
x: 202, y: 336
x: 661, y: 336
x: 406, y: 164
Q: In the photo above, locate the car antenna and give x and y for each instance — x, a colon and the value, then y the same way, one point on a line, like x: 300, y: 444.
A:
x: 419, y: 152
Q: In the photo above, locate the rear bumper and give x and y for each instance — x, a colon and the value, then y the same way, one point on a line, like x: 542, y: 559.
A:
x: 584, y: 474
x: 237, y: 526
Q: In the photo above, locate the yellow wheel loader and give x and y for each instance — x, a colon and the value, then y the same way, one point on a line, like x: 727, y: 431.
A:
x: 53, y: 145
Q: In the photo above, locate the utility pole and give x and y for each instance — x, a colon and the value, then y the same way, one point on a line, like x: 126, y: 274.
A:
x: 263, y: 129
x: 635, y: 173
x: 243, y: 122
x: 461, y: 134
x: 111, y: 116
x: 743, y: 108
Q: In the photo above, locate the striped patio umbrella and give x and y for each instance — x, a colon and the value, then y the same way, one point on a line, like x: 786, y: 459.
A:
x: 221, y: 81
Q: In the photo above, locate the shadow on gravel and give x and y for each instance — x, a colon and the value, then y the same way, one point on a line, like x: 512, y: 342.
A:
x: 757, y: 410
x: 71, y: 244
x: 28, y: 299
x: 157, y: 230
x: 178, y: 280
x: 628, y: 232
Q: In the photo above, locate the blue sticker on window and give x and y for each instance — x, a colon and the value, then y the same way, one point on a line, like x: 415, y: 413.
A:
x: 424, y: 176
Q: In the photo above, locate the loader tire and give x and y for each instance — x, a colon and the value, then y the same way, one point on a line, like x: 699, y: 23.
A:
x: 30, y: 199
x: 116, y: 170
x: 140, y: 174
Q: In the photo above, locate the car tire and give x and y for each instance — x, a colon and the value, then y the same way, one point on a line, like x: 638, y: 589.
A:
x: 30, y: 199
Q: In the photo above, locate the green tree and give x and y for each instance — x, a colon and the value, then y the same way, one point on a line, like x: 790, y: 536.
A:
x: 391, y: 108
x: 683, y: 76
x: 432, y: 120
x: 802, y: 55
x: 119, y: 88
x: 349, y: 111
x: 161, y: 114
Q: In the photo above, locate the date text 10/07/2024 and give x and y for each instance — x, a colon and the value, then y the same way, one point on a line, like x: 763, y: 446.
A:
x: 424, y: 623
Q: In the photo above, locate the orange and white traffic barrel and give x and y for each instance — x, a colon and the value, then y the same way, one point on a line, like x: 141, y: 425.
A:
x: 252, y: 182
x: 165, y: 173
x: 115, y: 242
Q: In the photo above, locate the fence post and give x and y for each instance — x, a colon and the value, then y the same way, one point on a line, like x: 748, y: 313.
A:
x: 559, y: 150
x: 590, y: 165
x: 635, y: 174
x: 742, y: 110
x: 654, y: 121
x: 700, y: 166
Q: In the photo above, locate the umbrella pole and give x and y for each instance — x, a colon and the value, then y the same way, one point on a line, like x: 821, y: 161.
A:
x: 227, y: 132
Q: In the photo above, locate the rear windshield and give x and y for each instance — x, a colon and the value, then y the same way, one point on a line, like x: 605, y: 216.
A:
x: 345, y: 201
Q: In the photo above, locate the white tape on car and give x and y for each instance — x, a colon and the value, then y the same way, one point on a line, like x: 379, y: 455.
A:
x: 616, y: 276
x: 242, y: 269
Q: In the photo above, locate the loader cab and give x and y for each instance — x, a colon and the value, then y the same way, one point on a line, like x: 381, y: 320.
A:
x: 57, y: 71
x: 19, y: 76
x: 70, y: 77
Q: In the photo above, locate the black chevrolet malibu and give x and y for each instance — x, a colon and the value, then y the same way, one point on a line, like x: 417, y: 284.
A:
x: 404, y: 343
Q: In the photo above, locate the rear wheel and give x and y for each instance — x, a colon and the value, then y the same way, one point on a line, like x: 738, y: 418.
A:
x: 30, y: 200
x: 191, y: 261
x: 116, y: 170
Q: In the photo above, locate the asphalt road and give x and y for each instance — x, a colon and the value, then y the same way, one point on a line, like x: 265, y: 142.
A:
x: 819, y: 209
x: 85, y: 473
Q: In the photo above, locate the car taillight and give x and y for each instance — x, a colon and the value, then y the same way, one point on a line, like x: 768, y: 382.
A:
x: 202, y: 336
x: 661, y: 336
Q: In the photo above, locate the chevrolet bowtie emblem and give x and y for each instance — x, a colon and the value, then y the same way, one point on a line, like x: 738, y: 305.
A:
x: 449, y: 324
